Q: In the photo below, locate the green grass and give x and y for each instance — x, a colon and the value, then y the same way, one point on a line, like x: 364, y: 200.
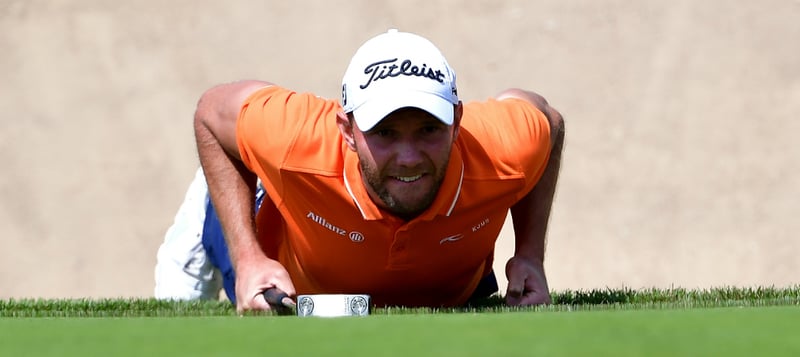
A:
x: 724, y: 321
x: 570, y: 300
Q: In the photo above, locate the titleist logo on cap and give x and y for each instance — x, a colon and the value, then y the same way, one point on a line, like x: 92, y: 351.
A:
x: 422, y: 79
x: 390, y: 68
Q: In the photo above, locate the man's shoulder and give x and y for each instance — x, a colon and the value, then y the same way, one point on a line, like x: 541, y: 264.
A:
x: 502, y: 138
x: 277, y: 97
x: 282, y: 127
x: 498, y: 122
x: 499, y: 110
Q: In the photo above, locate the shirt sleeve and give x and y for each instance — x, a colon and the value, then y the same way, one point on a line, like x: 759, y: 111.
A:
x: 516, y: 134
x: 268, y: 127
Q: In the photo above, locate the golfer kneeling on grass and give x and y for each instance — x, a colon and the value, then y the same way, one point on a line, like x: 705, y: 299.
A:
x: 400, y: 191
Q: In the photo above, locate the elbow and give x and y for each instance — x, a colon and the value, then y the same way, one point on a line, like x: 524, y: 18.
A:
x: 219, y: 106
x: 205, y: 109
x: 557, y: 126
x: 206, y: 119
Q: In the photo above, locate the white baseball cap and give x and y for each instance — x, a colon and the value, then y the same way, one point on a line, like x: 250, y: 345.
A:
x: 397, y: 70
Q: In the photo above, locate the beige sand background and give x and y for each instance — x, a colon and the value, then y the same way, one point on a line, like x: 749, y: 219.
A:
x: 681, y: 166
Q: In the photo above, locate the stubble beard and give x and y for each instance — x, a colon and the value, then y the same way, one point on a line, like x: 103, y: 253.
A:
x: 374, y: 179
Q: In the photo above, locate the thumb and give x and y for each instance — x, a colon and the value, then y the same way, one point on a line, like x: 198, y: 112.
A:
x: 516, y: 282
x: 516, y: 287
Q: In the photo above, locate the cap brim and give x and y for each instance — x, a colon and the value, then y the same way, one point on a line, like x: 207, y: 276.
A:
x: 374, y: 110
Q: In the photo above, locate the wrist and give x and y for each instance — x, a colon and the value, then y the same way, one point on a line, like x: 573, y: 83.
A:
x: 532, y: 258
x: 243, y: 257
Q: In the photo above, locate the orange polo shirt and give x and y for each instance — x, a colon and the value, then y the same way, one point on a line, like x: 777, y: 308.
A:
x: 332, y: 238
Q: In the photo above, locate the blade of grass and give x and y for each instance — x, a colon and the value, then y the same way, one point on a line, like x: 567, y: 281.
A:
x: 569, y: 300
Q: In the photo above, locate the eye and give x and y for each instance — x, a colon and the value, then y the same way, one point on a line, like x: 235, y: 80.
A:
x: 431, y: 129
x: 383, y: 133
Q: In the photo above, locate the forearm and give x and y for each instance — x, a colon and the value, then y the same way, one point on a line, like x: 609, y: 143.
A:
x: 531, y: 214
x: 231, y: 185
x: 231, y: 189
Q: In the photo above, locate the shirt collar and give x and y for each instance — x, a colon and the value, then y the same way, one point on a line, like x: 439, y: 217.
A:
x: 443, y: 205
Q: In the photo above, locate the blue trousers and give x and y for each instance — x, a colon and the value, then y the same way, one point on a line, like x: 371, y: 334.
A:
x: 217, y: 251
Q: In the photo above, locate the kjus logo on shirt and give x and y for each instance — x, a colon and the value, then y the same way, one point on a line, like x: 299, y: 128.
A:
x: 354, y: 236
x: 457, y: 237
x: 452, y: 238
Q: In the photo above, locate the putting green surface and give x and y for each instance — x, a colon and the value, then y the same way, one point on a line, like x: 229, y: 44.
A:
x: 702, y: 331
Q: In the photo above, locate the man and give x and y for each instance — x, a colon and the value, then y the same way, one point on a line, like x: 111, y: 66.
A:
x: 400, y: 192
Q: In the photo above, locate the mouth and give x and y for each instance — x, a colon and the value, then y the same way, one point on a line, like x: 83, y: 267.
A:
x: 407, y: 179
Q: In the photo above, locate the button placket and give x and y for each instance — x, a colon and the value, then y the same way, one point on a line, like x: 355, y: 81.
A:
x: 398, y: 254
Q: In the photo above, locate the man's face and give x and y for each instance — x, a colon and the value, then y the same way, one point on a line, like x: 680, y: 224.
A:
x: 404, y: 159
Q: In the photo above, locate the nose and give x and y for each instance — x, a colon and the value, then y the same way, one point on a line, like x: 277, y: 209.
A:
x: 408, y: 154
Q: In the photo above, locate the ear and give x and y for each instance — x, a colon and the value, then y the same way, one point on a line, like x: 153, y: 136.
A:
x: 346, y: 129
x: 457, y: 119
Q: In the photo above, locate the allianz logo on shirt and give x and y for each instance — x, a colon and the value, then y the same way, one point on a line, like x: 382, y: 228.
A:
x: 358, y: 237
x: 354, y: 236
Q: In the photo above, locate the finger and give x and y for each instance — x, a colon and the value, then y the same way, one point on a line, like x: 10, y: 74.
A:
x: 542, y: 298
x: 276, y: 297
x: 288, y: 289
x: 516, y: 279
x: 536, y: 298
x: 242, y: 304
x: 279, y: 301
x: 516, y: 287
x: 532, y: 296
x: 258, y: 302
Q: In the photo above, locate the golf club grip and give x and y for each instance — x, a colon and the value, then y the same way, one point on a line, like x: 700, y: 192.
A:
x: 275, y: 296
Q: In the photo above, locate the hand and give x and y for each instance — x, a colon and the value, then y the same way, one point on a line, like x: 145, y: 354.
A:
x: 254, y: 277
x: 527, y: 283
